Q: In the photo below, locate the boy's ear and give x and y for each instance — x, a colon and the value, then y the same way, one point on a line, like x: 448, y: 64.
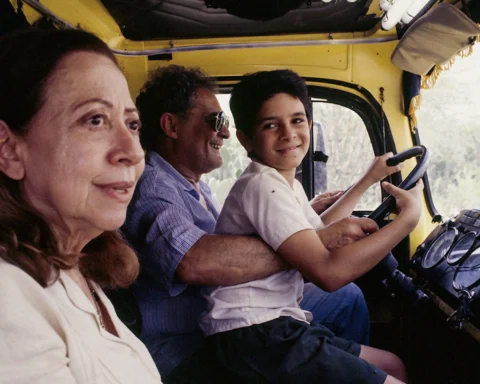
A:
x: 10, y: 160
x: 245, y: 141
x: 168, y: 124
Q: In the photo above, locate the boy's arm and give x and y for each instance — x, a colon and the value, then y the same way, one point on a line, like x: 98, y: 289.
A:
x: 332, y: 270
x: 344, y: 206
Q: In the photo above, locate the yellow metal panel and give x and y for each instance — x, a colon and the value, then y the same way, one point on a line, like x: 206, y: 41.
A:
x: 307, y: 60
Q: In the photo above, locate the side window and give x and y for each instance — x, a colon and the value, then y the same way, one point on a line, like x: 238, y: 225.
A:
x: 449, y: 124
x: 341, y: 134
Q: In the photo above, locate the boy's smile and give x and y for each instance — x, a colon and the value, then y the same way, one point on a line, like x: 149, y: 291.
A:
x: 281, y: 134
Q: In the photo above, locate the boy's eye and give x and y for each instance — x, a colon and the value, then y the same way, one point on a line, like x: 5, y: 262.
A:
x: 269, y: 126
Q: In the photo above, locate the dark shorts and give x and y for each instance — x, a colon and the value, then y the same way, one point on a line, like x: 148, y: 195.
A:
x: 202, y: 367
x: 286, y: 350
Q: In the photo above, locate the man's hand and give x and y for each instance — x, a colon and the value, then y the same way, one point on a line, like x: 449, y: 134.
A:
x: 346, y: 231
x: 321, y: 202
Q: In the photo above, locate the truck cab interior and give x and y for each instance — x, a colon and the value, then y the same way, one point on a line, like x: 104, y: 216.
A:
x: 384, y: 75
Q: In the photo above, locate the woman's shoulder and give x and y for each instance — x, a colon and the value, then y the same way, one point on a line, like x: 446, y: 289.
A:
x: 10, y: 272
x: 18, y: 288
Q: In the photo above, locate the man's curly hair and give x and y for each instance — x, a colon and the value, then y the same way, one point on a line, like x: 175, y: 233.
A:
x: 170, y: 89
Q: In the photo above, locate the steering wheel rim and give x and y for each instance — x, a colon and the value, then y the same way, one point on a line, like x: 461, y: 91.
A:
x: 388, y: 205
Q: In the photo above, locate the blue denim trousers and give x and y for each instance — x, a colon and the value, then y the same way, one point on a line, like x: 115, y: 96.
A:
x: 344, y: 311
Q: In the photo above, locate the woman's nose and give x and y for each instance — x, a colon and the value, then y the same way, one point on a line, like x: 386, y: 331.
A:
x: 127, y: 149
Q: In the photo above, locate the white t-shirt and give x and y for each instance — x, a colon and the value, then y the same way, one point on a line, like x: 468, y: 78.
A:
x: 262, y: 203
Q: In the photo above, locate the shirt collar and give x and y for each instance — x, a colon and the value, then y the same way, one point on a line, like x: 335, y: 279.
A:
x: 158, y: 162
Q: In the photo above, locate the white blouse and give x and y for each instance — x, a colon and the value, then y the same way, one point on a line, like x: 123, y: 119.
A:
x: 53, y: 335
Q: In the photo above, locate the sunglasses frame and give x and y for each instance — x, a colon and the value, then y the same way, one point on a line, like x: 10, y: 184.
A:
x: 218, y: 120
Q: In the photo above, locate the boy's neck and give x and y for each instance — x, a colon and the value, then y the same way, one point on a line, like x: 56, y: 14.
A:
x: 288, y: 174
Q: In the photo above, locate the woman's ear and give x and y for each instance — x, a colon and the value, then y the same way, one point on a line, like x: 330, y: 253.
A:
x: 10, y: 161
x: 168, y: 124
x: 245, y: 141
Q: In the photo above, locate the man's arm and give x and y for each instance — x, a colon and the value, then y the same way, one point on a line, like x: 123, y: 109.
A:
x: 228, y: 260
x: 174, y: 251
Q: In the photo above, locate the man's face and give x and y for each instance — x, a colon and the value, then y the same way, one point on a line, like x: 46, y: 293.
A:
x: 198, y: 140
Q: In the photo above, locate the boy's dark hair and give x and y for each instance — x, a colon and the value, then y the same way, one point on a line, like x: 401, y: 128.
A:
x: 169, y: 89
x: 256, y: 88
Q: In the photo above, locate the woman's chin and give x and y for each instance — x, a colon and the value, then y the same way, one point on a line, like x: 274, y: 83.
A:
x: 110, y: 223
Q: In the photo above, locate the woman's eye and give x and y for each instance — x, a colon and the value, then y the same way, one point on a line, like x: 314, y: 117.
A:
x: 135, y: 125
x: 298, y: 121
x: 96, y: 120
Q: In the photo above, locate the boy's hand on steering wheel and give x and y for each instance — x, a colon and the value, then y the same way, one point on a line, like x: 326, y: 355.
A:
x: 379, y: 169
x: 408, y: 203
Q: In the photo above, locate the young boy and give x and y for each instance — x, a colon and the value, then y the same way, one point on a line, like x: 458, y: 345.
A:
x: 260, y: 331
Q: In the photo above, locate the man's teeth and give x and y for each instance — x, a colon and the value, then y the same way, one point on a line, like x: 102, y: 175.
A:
x: 216, y: 146
x: 121, y: 190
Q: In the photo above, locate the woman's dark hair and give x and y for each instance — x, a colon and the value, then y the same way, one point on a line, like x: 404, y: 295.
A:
x: 27, y: 61
x: 169, y: 89
x: 255, y: 89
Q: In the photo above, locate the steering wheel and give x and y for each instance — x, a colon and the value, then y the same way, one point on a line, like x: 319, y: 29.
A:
x: 387, y: 270
x: 388, y: 205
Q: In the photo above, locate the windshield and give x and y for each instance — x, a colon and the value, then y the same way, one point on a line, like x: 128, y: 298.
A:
x: 449, y: 124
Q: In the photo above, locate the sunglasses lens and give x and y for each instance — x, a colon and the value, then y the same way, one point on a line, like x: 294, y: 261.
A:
x: 221, y: 121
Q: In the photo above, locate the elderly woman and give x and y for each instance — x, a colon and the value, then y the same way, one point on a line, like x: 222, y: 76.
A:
x: 70, y: 157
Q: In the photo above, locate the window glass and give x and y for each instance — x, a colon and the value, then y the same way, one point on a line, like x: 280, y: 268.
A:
x: 449, y: 125
x: 341, y: 134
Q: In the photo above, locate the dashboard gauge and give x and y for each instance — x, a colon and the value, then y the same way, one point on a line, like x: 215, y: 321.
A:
x: 468, y: 272
x: 460, y: 248
x: 439, y: 248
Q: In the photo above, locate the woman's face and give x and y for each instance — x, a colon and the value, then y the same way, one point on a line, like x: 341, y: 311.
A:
x: 82, y: 155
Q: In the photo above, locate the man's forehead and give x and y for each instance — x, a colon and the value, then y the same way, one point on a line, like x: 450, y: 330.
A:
x: 205, y: 100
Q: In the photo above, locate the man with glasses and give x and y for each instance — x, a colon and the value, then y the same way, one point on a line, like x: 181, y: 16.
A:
x: 170, y: 222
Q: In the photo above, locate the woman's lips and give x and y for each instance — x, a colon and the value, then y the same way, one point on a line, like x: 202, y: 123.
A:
x: 120, y: 191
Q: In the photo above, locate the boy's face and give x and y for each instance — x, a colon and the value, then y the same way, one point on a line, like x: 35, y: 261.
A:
x: 281, y: 134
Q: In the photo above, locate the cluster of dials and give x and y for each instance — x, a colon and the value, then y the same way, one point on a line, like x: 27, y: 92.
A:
x: 453, y: 249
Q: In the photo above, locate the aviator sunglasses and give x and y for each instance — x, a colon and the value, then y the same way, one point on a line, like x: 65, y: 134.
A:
x: 218, y: 120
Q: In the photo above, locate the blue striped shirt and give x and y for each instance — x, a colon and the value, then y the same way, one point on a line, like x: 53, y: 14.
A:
x: 164, y: 220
